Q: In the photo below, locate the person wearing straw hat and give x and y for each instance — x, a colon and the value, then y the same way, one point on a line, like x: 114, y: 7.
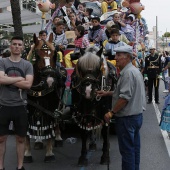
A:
x: 129, y: 93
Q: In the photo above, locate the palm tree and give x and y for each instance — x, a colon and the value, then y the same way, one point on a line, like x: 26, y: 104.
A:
x: 16, y: 15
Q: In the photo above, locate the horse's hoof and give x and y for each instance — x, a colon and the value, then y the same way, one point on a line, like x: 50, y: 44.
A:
x: 38, y: 145
x: 58, y: 143
x: 28, y: 159
x: 49, y: 159
x: 105, y: 159
x: 92, y: 147
x: 83, y: 161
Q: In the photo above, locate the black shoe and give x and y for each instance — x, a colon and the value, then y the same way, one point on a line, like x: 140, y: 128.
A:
x: 149, y: 102
x: 157, y: 102
x: 21, y: 168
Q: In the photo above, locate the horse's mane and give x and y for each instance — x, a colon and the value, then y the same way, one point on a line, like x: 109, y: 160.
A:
x: 89, y: 62
x: 92, y: 49
x: 93, y: 59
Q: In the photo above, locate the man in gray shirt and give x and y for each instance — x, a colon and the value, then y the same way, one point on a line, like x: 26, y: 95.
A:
x: 16, y: 76
x: 128, y: 105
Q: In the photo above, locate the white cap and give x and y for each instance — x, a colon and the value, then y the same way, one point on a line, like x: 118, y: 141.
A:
x: 132, y: 15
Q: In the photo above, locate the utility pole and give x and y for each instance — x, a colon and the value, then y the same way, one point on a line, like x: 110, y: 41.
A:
x: 156, y: 33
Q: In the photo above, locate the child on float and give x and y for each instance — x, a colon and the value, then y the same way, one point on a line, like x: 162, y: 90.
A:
x: 108, y: 3
x: 118, y: 21
x: 112, y: 44
x: 86, y: 20
x: 68, y: 5
x: 95, y: 32
x: 73, y: 22
x: 106, y: 35
x: 87, y: 15
x: 81, y: 11
x: 129, y: 28
x: 80, y: 42
x: 59, y: 39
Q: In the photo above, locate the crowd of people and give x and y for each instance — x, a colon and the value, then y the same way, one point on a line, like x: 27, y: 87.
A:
x: 88, y: 29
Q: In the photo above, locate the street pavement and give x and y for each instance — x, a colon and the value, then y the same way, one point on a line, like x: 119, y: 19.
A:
x: 154, y: 154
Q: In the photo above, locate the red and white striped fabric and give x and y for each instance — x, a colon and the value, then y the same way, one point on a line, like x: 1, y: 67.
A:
x: 82, y: 42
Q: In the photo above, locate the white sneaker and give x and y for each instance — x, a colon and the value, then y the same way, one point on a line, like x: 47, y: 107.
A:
x: 165, y: 91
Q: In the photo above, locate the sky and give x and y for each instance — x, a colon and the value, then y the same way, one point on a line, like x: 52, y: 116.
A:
x: 159, y: 8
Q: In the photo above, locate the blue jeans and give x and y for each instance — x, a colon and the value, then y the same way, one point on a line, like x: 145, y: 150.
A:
x: 127, y: 129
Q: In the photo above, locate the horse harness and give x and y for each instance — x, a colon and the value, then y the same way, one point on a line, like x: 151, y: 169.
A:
x: 59, y: 76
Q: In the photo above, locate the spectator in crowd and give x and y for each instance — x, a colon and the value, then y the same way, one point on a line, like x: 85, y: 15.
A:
x: 139, y: 62
x: 165, y: 71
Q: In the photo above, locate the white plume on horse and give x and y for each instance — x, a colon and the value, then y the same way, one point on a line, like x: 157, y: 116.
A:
x: 50, y: 81
x: 88, y: 91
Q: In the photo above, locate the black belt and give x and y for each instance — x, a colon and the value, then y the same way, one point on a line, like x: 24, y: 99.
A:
x: 40, y: 93
x: 129, y: 116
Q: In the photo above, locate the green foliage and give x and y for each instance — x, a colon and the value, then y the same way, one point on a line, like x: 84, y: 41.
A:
x: 166, y: 34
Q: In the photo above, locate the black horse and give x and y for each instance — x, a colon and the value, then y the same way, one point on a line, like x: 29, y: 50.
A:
x: 92, y: 73
x: 44, y: 97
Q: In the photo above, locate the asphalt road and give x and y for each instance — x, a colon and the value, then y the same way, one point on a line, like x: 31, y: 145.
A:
x: 154, y: 155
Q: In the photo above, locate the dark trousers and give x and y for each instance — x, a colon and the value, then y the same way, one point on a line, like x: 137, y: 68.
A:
x: 127, y: 130
x: 153, y: 82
